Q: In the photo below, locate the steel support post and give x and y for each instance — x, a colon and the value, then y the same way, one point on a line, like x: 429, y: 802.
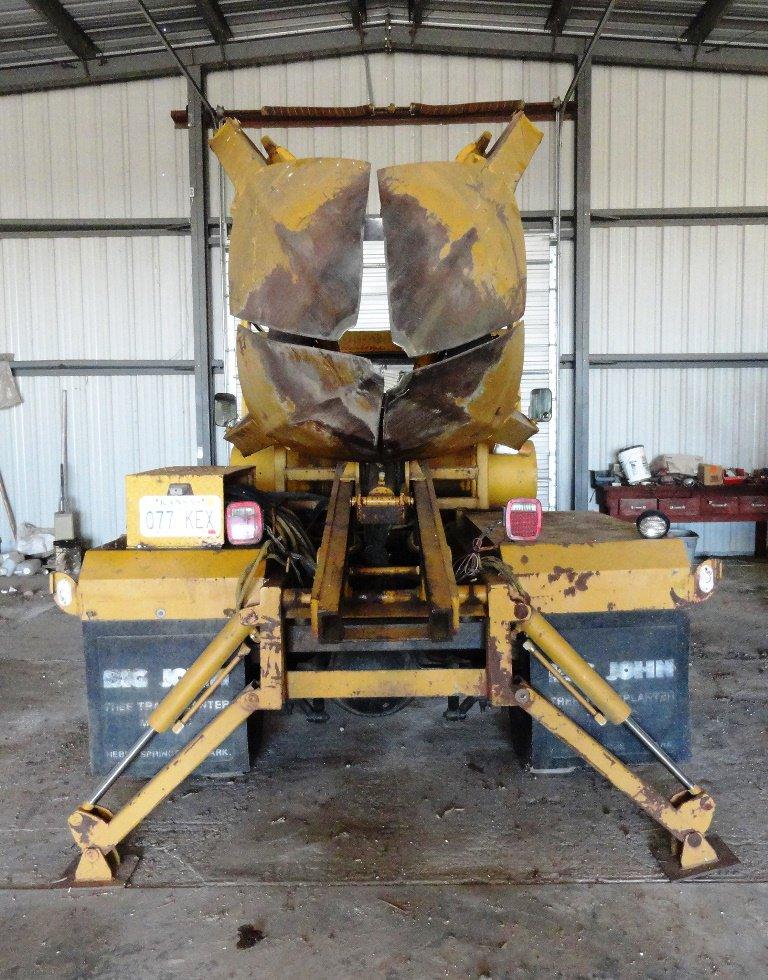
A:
x: 582, y: 180
x: 201, y: 282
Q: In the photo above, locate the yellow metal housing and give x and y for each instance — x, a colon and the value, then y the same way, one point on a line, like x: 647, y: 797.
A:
x: 454, y: 242
x: 178, y: 506
x: 120, y: 584
x: 589, y: 562
x: 296, y: 246
x: 473, y: 478
x: 512, y: 475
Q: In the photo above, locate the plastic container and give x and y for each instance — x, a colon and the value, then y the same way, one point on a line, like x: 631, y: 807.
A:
x: 10, y: 561
x: 634, y: 464
x: 690, y: 540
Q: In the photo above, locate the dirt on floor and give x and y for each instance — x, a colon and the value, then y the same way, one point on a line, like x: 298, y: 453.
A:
x: 405, y: 846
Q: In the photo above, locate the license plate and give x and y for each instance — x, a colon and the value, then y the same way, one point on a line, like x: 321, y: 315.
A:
x: 180, y: 517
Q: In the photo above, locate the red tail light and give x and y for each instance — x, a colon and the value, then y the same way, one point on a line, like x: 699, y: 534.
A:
x: 522, y: 519
x: 245, y: 522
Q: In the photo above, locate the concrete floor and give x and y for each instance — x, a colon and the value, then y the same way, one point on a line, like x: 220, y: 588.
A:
x: 408, y: 847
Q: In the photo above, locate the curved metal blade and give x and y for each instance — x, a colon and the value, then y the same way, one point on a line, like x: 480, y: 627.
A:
x: 296, y: 249
x: 456, y: 402
x: 322, y: 402
x: 454, y: 244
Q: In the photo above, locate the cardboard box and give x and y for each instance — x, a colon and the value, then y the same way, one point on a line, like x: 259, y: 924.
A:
x: 710, y: 475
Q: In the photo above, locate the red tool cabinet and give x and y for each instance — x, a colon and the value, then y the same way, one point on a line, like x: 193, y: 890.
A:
x: 688, y: 505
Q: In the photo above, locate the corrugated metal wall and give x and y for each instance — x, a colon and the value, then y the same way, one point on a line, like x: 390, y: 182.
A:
x: 95, y: 298
x: 101, y: 152
x: 108, y: 151
x: 401, y: 79
x: 677, y: 139
x: 660, y: 139
x: 540, y: 369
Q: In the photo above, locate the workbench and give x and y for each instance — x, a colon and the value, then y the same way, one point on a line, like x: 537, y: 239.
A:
x: 746, y: 502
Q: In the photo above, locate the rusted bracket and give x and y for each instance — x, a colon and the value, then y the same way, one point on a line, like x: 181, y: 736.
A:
x: 417, y: 113
x: 440, y: 587
x: 325, y: 601
x: 504, y: 613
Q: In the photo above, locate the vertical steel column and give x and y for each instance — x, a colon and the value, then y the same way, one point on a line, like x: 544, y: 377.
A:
x: 582, y: 179
x: 201, y: 284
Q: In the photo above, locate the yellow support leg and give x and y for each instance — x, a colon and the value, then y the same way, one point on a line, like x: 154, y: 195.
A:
x: 97, y: 831
x: 686, y: 816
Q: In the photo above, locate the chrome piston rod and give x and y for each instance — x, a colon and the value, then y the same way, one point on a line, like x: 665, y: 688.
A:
x: 122, y: 765
x: 669, y: 764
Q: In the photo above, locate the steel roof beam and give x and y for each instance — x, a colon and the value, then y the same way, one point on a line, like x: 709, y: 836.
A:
x: 416, y: 13
x: 65, y: 25
x: 431, y: 38
x: 215, y: 20
x: 706, y: 20
x: 359, y: 12
x: 559, y: 13
x: 131, y: 367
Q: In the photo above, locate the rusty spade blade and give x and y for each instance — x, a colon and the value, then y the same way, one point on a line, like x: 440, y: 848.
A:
x: 296, y: 249
x: 454, y: 244
x: 457, y: 402
x: 317, y: 401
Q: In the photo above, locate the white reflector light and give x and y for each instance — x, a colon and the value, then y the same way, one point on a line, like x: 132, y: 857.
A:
x: 522, y: 519
x: 245, y: 523
x: 705, y: 578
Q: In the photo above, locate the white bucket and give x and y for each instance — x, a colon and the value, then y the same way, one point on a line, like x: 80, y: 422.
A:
x: 634, y: 464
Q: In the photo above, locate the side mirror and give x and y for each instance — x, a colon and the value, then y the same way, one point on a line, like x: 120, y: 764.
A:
x: 224, y: 409
x: 540, y: 408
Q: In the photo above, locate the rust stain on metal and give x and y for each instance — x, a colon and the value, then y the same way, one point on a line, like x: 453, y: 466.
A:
x: 333, y: 404
x: 522, y: 611
x: 296, y: 248
x: 319, y: 401
x: 250, y: 616
x: 456, y: 402
x: 677, y: 601
x: 658, y: 808
x: 558, y: 572
x: 83, y: 825
x: 454, y: 243
x: 503, y: 613
x: 579, y: 584
x: 416, y: 113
